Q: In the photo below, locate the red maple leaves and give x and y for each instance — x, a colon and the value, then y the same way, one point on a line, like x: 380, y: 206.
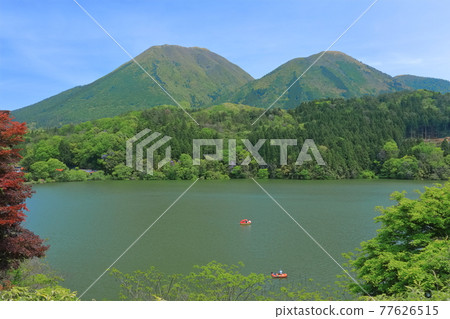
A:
x: 16, y: 242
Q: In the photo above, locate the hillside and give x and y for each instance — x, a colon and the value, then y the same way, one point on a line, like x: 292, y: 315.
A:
x: 353, y: 135
x: 419, y: 82
x: 334, y: 75
x: 194, y: 77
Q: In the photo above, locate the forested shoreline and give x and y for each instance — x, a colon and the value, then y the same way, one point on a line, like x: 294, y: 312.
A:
x: 397, y: 135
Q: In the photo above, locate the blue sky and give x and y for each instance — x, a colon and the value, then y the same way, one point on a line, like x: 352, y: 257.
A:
x: 50, y: 46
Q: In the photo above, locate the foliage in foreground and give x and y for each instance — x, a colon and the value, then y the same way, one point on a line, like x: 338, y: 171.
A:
x: 34, y: 281
x: 56, y: 293
x: 410, y: 256
x: 214, y: 281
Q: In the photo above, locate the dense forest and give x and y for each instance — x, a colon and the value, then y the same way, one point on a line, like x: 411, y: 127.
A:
x: 397, y: 135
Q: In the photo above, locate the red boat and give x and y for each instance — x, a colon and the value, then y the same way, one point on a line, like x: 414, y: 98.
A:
x: 277, y: 275
x: 246, y: 222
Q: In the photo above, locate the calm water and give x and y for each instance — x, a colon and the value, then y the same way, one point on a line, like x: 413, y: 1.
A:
x: 88, y: 225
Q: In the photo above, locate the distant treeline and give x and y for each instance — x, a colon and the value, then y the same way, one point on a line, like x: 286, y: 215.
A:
x: 397, y: 135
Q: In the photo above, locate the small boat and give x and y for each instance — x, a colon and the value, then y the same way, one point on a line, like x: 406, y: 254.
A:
x: 277, y: 275
x: 246, y: 222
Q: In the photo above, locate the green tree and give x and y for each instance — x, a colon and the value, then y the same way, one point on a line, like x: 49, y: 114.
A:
x: 57, y: 169
x: 52, y: 168
x: 237, y: 172
x: 263, y: 173
x: 185, y: 168
x: 390, y: 150
x: 98, y: 176
x: 65, y: 152
x: 39, y: 170
x: 411, y: 250
x: 77, y: 175
x: 170, y: 170
x: 110, y: 160
x: 47, y: 149
x: 406, y: 167
x: 431, y: 161
x: 366, y: 174
x: 122, y: 171
x: 213, y: 170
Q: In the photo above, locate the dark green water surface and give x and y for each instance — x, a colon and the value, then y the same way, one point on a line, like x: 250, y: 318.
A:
x: 89, y: 225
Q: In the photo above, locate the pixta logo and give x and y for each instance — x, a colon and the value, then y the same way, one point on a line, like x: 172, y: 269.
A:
x: 283, y: 144
x: 151, y: 148
x: 147, y: 143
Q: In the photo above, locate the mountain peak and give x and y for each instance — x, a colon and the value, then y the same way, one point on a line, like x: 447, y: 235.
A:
x: 194, y: 76
x: 174, y: 48
x: 198, y: 77
x: 334, y: 53
x: 335, y: 75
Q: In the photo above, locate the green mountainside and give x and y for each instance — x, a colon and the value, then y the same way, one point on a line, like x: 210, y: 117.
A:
x: 193, y: 76
x: 334, y: 75
x: 196, y: 77
x: 419, y: 82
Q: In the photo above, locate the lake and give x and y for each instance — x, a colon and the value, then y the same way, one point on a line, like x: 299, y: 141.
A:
x: 89, y: 224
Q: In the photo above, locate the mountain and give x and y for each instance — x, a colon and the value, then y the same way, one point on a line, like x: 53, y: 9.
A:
x: 418, y: 82
x: 193, y: 76
x: 197, y: 77
x: 334, y: 75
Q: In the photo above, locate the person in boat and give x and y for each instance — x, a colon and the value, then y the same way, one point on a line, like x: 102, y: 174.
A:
x: 280, y: 272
